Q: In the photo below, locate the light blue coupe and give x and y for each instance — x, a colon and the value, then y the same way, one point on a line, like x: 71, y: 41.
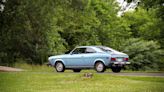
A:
x: 88, y: 57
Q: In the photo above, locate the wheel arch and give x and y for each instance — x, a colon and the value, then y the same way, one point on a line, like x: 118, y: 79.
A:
x: 99, y: 60
x: 59, y: 60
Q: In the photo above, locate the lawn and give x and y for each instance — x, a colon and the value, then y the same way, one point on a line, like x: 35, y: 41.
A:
x: 38, y: 81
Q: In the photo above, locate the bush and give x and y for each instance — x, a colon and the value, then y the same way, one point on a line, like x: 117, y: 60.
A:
x: 143, y: 54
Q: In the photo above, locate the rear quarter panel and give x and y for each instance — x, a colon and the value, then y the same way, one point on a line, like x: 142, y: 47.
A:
x: 104, y: 57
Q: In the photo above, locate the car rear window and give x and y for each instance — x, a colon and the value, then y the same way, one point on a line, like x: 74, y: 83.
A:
x: 105, y: 49
x: 89, y: 50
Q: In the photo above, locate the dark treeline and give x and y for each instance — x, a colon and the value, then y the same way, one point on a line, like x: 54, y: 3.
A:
x: 30, y: 31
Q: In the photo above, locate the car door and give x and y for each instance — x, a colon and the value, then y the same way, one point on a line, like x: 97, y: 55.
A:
x: 75, y: 58
x: 89, y: 57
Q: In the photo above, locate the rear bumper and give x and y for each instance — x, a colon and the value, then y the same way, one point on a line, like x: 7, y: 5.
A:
x: 121, y: 63
x: 118, y: 64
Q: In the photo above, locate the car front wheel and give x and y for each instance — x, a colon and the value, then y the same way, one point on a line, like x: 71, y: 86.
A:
x: 59, y: 67
x: 100, y: 67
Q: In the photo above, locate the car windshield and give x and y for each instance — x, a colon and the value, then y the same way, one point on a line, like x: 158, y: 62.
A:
x: 106, y: 49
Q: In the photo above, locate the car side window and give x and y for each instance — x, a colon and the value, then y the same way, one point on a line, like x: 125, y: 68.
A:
x: 89, y: 50
x: 79, y: 51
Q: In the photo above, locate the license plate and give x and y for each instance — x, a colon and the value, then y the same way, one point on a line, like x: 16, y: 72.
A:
x: 119, y: 59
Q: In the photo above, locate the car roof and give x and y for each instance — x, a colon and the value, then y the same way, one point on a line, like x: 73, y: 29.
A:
x: 87, y: 46
x: 95, y: 47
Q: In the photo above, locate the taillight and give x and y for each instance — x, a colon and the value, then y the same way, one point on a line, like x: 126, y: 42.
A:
x: 126, y: 59
x: 113, y: 59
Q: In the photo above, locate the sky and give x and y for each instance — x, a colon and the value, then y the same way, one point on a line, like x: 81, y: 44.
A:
x: 125, y: 6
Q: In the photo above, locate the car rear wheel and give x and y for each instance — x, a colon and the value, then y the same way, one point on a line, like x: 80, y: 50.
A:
x: 76, y: 70
x: 59, y: 67
x: 116, y: 69
x: 100, y: 67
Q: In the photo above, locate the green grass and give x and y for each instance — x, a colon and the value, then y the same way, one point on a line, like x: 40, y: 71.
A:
x: 44, y: 68
x: 44, y: 79
x: 75, y: 82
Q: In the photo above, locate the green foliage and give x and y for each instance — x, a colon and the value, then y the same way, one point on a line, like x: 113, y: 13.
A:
x: 151, y: 4
x: 34, y: 30
x: 158, y: 7
x: 143, y: 24
x: 24, y: 30
x: 144, y: 55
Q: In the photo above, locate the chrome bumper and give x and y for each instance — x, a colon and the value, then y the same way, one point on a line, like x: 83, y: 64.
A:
x: 121, y: 63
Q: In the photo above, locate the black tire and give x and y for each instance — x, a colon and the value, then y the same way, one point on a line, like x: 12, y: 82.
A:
x: 76, y: 70
x: 59, y: 66
x: 100, y: 67
x: 116, y: 69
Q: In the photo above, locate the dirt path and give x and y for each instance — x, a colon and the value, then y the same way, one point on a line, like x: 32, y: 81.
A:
x: 9, y: 69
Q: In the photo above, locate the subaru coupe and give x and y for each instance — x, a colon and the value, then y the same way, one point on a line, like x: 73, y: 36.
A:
x: 90, y: 57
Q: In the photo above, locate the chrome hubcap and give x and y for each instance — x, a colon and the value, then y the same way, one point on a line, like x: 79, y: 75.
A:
x: 59, y: 67
x: 100, y: 67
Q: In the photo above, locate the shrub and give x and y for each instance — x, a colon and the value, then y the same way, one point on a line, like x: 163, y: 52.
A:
x: 143, y: 54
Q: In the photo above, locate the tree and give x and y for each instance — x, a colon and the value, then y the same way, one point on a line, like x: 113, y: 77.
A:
x: 156, y: 5
x: 143, y: 24
x: 25, y: 27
